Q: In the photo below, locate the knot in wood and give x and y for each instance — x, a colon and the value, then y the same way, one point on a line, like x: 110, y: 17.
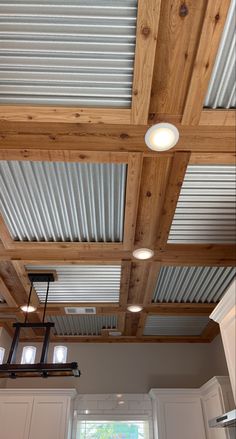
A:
x: 183, y: 10
x: 146, y: 31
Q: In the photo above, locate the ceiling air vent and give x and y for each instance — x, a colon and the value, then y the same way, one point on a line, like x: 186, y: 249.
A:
x: 79, y: 310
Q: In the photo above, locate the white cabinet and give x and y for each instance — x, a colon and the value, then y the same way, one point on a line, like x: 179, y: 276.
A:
x: 225, y: 315
x: 35, y: 414
x: 15, y: 416
x: 177, y: 414
x: 217, y: 398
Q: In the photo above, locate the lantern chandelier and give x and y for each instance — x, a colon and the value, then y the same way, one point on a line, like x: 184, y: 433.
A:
x: 11, y: 369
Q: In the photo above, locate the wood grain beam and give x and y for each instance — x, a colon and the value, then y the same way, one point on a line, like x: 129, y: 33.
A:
x: 6, y: 294
x: 23, y: 276
x: 5, y: 236
x: 213, y: 25
x: 154, y: 180
x: 125, y: 282
x: 151, y: 282
x: 173, y: 254
x: 178, y: 35
x: 141, y: 324
x: 146, y: 39
x: 23, y: 139
x: 212, y: 159
x: 182, y: 309
x: 30, y: 114
x: 218, y: 117
x: 131, y: 199
x: 211, y: 331
x: 122, y: 339
x: 177, y: 173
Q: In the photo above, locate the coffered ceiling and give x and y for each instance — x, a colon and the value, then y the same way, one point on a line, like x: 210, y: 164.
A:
x: 80, y: 83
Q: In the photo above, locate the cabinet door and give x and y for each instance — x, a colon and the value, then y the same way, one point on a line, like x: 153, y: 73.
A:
x: 212, y: 407
x: 49, y: 417
x: 180, y: 418
x: 15, y: 414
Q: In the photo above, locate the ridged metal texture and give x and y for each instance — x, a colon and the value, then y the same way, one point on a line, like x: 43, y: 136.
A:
x: 193, y: 284
x: 75, y: 52
x: 175, y: 325
x: 206, y: 209
x: 80, y: 283
x: 222, y: 87
x: 46, y: 201
x: 82, y: 325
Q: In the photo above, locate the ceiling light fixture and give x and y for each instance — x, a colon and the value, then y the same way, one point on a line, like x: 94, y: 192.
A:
x: 135, y: 308
x: 27, y: 308
x: 28, y: 368
x: 143, y: 253
x: 161, y: 137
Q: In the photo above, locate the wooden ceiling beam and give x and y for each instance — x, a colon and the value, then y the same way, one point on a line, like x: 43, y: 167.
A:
x: 212, y: 159
x: 211, y: 331
x: 178, y: 35
x: 6, y: 294
x: 146, y: 40
x: 120, y: 339
x: 22, y: 141
x: 213, y: 25
x: 41, y: 114
x: 218, y: 117
x: 125, y: 282
x: 173, y: 254
x: 154, y: 180
x: 177, y: 174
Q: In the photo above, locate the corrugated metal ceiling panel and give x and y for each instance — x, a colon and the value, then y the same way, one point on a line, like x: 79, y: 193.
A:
x: 222, y: 87
x: 192, y: 284
x: 46, y: 201
x: 82, y: 325
x: 80, y: 283
x: 206, y: 207
x: 67, y: 53
x: 175, y: 325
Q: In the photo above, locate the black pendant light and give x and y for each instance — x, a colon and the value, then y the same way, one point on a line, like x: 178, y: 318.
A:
x: 10, y: 369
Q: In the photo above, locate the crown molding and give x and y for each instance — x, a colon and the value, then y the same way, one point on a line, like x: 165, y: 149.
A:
x: 227, y: 303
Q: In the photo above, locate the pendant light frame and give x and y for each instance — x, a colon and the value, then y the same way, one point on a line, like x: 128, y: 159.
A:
x: 43, y: 369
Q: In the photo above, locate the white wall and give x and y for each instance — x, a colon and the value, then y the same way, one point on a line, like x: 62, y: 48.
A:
x: 135, y: 368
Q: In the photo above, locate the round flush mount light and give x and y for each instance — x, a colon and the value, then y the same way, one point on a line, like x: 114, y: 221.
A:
x: 161, y: 137
x: 27, y: 308
x: 135, y: 308
x: 143, y: 253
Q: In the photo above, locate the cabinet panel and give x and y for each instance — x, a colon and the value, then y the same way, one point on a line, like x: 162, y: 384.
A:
x: 49, y: 418
x: 15, y: 414
x: 228, y: 331
x: 213, y: 407
x: 179, y: 417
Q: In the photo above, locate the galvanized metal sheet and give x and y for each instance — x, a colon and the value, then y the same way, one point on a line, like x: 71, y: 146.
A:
x: 82, y: 325
x: 46, y: 201
x: 80, y: 283
x: 192, y: 284
x: 67, y: 53
x: 206, y: 209
x: 175, y: 325
x: 222, y: 87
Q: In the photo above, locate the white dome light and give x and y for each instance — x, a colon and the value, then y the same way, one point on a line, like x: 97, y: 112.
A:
x: 161, y: 137
x: 143, y: 253
x: 135, y: 308
x: 27, y: 308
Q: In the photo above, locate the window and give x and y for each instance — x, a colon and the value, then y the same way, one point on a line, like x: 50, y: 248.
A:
x: 112, y: 430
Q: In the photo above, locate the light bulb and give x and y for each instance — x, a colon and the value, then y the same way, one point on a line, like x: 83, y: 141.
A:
x: 143, y: 253
x: 135, y: 308
x: 28, y: 355
x: 2, y: 352
x: 59, y: 354
x: 161, y: 137
x: 27, y: 308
